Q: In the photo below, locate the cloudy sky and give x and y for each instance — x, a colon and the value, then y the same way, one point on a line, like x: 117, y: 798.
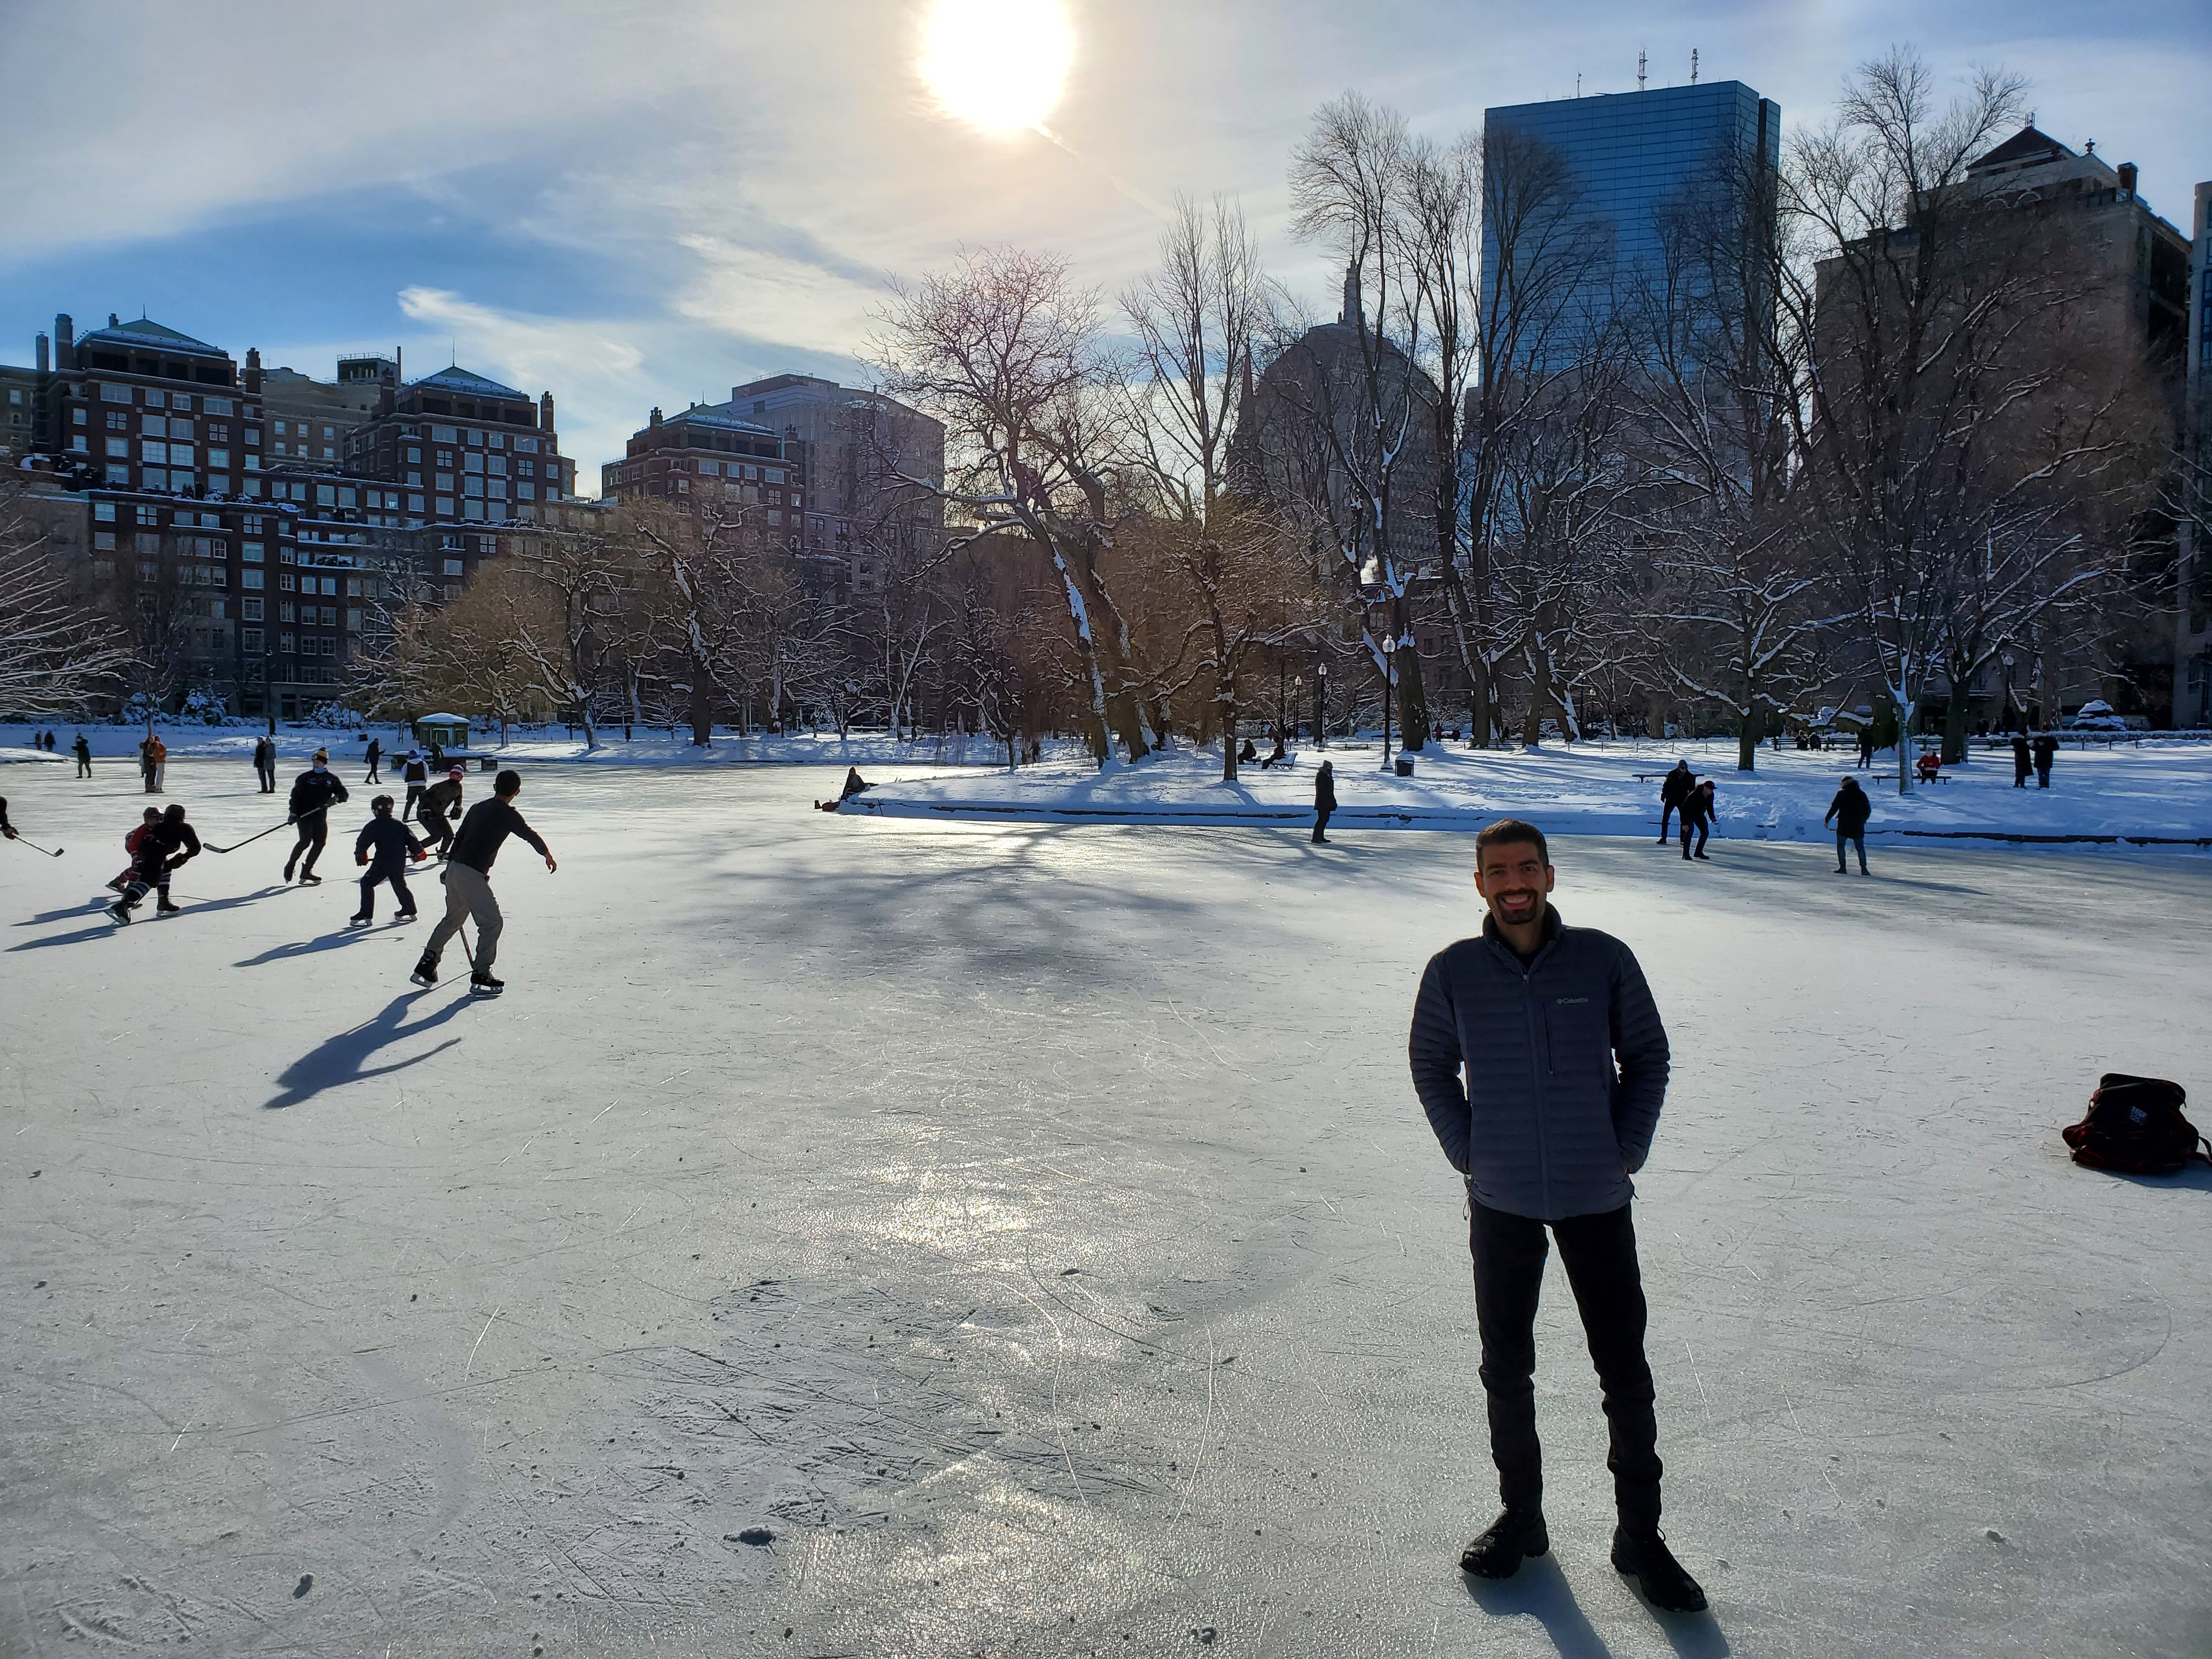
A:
x: 640, y: 202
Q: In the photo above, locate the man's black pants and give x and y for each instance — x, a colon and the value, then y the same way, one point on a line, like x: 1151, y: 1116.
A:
x: 314, y: 831
x: 1600, y: 1254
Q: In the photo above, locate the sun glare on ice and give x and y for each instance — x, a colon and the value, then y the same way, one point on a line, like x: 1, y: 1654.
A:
x: 998, y: 64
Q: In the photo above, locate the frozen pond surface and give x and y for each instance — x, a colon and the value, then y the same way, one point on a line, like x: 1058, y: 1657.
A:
x: 1032, y: 1232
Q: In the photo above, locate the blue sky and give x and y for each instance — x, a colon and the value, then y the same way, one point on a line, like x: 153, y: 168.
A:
x: 642, y: 204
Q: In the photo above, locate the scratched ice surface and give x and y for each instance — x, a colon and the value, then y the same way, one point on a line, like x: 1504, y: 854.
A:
x: 930, y: 1238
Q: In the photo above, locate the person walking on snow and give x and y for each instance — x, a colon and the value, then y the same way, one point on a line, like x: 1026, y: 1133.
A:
x: 1698, y: 816
x: 441, y: 807
x: 147, y: 768
x: 1541, y: 1060
x: 1849, y: 810
x: 167, y: 844
x: 1324, y: 800
x: 314, y: 792
x: 467, y: 876
x: 2045, y: 751
x: 1866, y: 748
x: 2023, y: 761
x: 415, y: 774
x: 373, y: 754
x: 386, y: 845
x: 265, y: 763
x: 83, y: 752
x: 1674, y: 789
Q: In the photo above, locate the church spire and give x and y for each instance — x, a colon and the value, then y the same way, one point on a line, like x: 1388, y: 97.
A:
x: 1351, y: 314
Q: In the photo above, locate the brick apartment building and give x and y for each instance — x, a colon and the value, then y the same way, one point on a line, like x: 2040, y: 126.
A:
x: 463, y: 448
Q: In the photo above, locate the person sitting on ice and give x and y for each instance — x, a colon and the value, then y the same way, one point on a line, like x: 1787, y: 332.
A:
x: 854, y: 785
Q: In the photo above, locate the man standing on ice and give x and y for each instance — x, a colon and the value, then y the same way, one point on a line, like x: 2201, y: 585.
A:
x: 314, y: 792
x: 1324, y: 800
x: 1541, y: 1062
x: 468, y: 884
x: 83, y: 752
x: 415, y: 774
x: 2046, y: 748
x: 1674, y: 789
x: 373, y: 755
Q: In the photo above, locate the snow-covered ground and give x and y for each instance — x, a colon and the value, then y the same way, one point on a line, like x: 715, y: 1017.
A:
x: 1027, y: 1233
x: 2160, y: 790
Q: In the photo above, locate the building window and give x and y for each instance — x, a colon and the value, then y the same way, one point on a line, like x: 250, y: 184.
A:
x: 119, y: 449
x: 117, y: 420
x: 252, y: 578
x: 251, y: 552
x: 476, y: 439
x: 452, y: 567
x: 288, y: 643
x: 219, y: 459
x: 250, y: 638
x: 111, y: 393
x: 103, y: 541
x: 250, y: 609
x: 104, y: 511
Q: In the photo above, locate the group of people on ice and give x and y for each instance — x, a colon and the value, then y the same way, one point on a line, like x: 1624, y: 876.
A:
x: 1682, y: 791
x: 163, y: 842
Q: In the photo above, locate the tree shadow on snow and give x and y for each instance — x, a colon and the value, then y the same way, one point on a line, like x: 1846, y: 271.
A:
x: 1540, y: 1591
x: 344, y: 1058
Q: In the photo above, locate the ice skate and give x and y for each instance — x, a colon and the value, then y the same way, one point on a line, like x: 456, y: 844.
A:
x: 121, y: 912
x: 426, y: 972
x: 485, y: 985
x: 359, y: 921
x: 163, y: 907
x: 309, y: 878
x: 1498, y: 1549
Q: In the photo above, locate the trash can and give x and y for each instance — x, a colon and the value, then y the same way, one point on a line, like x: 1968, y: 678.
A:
x: 1405, y: 766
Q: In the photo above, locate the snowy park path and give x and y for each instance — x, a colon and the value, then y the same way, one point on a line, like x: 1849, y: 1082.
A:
x: 935, y: 1237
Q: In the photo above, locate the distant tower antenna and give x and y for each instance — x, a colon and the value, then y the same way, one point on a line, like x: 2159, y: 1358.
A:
x: 1639, y: 70
x: 1578, y: 83
x: 1694, y: 66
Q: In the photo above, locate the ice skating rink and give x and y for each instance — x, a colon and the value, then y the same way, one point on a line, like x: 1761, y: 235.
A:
x: 889, y: 1237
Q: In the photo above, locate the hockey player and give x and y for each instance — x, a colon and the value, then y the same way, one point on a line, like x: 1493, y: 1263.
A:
x: 468, y: 883
x: 314, y: 792
x: 386, y: 846
x: 440, y: 808
x: 167, y: 845
x: 151, y: 817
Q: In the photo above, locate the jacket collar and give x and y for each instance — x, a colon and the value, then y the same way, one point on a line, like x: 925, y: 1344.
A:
x: 1552, y: 928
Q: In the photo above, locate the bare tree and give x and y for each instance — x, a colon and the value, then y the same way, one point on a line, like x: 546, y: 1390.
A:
x: 57, y: 651
x: 1006, y: 350
x: 1372, y: 412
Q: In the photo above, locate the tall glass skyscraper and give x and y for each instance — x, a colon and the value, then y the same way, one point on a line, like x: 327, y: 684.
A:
x: 1635, y: 155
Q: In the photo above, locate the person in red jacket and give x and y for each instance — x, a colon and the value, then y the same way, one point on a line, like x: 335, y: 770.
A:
x: 130, y: 845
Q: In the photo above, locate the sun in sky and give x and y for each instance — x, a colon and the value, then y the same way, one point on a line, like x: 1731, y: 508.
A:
x: 999, y: 65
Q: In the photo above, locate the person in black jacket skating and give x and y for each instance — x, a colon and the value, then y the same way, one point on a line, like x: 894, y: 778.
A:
x: 1324, y: 800
x: 314, y: 792
x: 385, y: 845
x: 1541, y: 1062
x: 1674, y: 789
x: 468, y: 884
x: 373, y: 755
x: 166, y: 846
x: 1851, y: 809
x: 440, y: 808
x: 2023, y: 763
x: 1698, y: 811
x: 83, y: 752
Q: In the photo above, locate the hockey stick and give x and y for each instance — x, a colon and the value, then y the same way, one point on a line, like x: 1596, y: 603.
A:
x: 462, y: 934
x: 36, y: 848
x: 270, y: 830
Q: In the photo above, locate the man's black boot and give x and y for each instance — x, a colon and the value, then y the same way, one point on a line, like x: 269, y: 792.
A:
x: 1497, y: 1550
x: 1645, y: 1557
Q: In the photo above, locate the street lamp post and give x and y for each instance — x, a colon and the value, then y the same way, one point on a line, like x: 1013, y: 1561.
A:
x: 1321, y: 705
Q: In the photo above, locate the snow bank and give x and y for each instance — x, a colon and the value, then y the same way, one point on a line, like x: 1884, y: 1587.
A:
x: 2156, y: 793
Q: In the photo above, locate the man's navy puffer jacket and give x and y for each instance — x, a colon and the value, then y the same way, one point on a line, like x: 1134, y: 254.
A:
x: 1567, y: 1066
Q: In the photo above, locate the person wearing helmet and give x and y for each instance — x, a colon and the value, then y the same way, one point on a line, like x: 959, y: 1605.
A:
x: 167, y: 845
x: 385, y: 846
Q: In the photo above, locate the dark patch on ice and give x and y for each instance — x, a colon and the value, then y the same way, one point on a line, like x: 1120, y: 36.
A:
x: 756, y: 1536
x: 306, y: 1582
